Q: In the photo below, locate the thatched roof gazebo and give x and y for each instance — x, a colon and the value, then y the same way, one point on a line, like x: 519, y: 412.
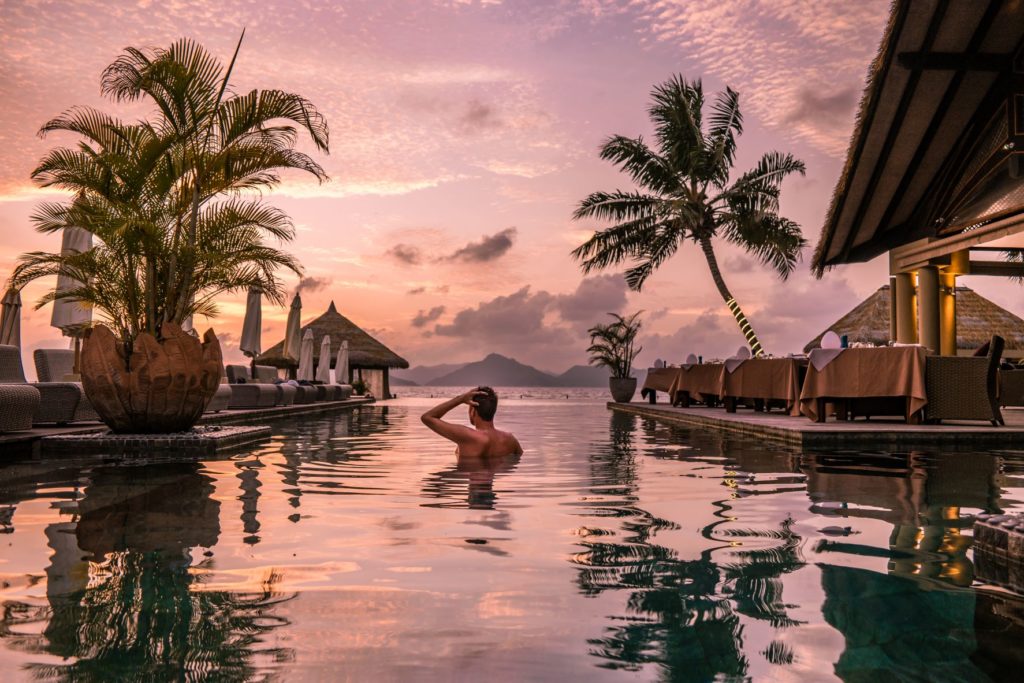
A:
x: 977, y: 319
x: 364, y: 352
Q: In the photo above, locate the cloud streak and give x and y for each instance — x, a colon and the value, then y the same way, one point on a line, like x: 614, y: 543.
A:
x: 489, y: 248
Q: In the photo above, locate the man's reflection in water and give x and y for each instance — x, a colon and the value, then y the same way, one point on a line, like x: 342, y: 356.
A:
x: 472, y: 477
x: 124, y: 597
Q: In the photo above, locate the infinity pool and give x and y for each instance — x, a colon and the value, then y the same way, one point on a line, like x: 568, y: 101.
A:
x: 356, y: 547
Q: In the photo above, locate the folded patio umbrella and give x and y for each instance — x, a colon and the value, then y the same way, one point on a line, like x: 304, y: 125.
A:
x: 306, y: 357
x: 293, y: 331
x: 341, y: 365
x: 323, y: 368
x: 10, y: 318
x: 250, y: 342
x: 69, y: 315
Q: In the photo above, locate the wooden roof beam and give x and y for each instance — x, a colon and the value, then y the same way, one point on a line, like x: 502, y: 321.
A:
x: 997, y: 268
x: 955, y: 61
x: 917, y: 254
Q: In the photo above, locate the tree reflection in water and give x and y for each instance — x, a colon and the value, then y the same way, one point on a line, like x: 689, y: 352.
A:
x: 682, y: 615
x: 140, y: 613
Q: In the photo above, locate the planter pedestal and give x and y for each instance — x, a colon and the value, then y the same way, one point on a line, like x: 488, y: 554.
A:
x: 622, y: 388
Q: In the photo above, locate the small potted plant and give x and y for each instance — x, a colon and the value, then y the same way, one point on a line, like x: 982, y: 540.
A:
x: 612, y: 345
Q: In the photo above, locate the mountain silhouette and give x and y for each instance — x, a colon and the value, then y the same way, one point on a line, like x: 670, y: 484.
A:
x: 497, y: 371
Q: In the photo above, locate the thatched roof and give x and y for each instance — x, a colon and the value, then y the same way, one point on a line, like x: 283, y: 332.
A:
x: 363, y: 350
x: 932, y: 91
x: 977, y: 319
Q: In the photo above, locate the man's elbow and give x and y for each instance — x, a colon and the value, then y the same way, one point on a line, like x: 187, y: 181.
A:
x: 425, y: 418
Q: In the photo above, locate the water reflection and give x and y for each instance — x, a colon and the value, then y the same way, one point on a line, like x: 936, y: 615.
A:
x: 123, y: 596
x: 680, y: 614
x: 469, y: 478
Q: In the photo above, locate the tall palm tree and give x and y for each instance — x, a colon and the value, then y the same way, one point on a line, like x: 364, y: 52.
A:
x: 685, y: 193
x: 173, y: 201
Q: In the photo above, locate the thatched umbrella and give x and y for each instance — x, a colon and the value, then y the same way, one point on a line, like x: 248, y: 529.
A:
x: 977, y: 319
x: 306, y: 357
x: 323, y: 366
x: 10, y: 318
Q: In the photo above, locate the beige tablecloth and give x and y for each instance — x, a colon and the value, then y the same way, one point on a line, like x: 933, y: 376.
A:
x: 766, y: 378
x: 896, y: 371
x: 699, y: 379
x: 660, y: 379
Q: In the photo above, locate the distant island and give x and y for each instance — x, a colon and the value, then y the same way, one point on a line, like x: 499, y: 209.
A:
x: 498, y: 371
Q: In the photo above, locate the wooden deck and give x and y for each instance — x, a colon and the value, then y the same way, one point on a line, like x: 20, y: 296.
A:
x: 27, y: 442
x: 800, y: 431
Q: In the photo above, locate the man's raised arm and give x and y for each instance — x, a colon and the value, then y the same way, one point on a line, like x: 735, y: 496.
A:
x: 453, y: 432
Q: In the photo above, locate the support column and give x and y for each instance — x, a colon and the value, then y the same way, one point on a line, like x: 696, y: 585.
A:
x: 906, y: 318
x: 947, y: 314
x: 892, y: 308
x: 928, y: 308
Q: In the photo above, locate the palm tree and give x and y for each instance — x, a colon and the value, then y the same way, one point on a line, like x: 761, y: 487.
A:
x: 685, y: 194
x: 172, y: 202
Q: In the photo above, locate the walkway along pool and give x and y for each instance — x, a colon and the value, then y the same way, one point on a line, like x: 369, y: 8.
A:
x: 354, y: 546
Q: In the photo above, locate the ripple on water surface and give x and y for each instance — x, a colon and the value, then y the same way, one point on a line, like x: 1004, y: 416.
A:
x: 358, y: 546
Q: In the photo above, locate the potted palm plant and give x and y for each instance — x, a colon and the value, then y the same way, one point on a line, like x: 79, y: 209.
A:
x: 612, y: 345
x: 178, y: 221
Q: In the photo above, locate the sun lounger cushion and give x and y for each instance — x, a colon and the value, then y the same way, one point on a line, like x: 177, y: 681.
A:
x: 58, y: 401
x: 53, y: 365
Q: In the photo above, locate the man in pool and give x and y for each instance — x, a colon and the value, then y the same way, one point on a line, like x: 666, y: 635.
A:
x: 481, y: 440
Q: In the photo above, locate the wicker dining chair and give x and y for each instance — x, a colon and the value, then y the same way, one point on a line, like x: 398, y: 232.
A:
x: 964, y: 388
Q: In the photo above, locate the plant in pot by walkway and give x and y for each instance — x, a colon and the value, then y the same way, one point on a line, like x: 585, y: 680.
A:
x: 174, y: 207
x: 612, y: 345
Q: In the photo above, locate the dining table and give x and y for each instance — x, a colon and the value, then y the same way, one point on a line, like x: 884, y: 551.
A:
x: 846, y: 375
x: 659, y: 379
x: 699, y: 382
x: 764, y: 381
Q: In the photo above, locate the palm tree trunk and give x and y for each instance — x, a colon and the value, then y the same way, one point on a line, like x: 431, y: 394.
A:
x: 745, y: 327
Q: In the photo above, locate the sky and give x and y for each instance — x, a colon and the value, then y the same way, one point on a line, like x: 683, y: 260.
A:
x: 463, y: 135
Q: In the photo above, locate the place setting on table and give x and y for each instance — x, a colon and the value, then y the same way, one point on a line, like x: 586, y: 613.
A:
x: 864, y: 379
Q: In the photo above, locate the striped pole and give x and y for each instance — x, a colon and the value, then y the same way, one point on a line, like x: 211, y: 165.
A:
x: 745, y: 328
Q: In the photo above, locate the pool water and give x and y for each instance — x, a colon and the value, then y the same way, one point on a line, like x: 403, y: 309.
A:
x: 356, y: 547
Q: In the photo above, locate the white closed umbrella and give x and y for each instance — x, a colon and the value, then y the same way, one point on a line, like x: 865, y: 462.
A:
x: 306, y: 357
x: 10, y: 318
x: 323, y: 368
x: 293, y: 331
x: 341, y: 365
x: 250, y: 342
x: 70, y: 315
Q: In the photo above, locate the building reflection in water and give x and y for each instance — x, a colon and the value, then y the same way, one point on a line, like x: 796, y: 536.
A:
x: 122, y: 599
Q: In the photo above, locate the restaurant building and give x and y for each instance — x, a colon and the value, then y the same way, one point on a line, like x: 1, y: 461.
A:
x: 934, y: 176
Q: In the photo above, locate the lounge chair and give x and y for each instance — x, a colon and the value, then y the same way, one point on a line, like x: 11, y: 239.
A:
x: 18, y: 404
x: 964, y: 388
x: 245, y: 393
x: 53, y: 365
x: 58, y: 401
x: 286, y: 393
x: 1011, y: 388
x: 221, y: 400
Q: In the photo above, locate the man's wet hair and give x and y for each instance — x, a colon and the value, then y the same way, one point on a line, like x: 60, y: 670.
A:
x: 486, y: 403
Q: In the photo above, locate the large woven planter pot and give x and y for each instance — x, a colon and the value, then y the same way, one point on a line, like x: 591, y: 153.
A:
x: 164, y: 386
x: 622, y: 388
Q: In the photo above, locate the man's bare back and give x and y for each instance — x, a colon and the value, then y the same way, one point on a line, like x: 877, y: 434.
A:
x: 481, y: 440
